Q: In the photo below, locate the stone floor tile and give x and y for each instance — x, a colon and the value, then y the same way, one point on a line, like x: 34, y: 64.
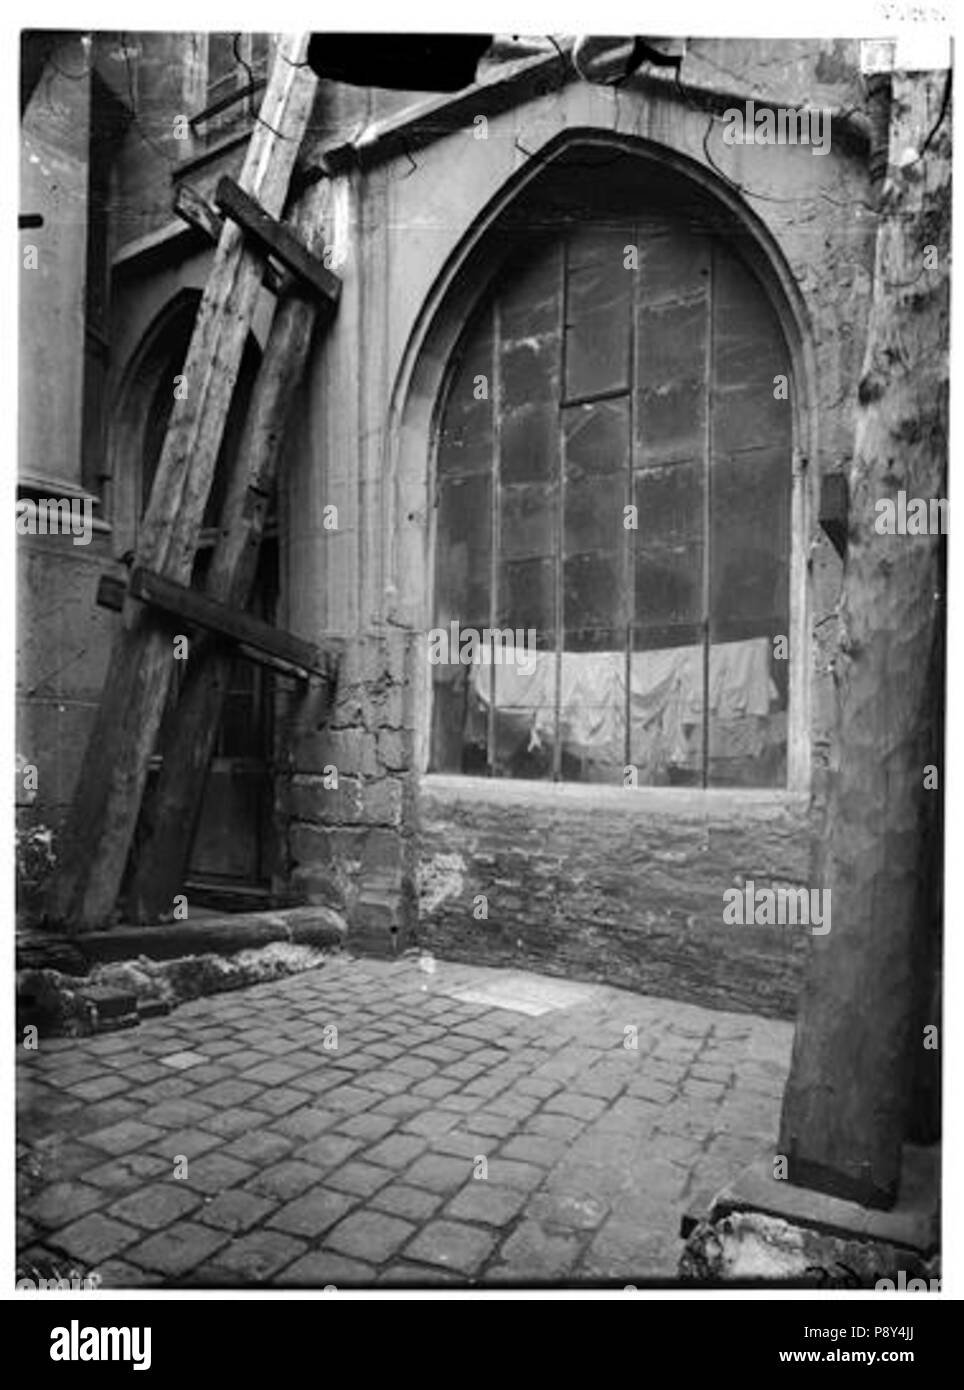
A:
x: 236, y: 1210
x: 414, y: 1203
x: 487, y: 1203
x: 454, y: 1245
x: 178, y: 1250
x: 94, y: 1238
x: 313, y: 1213
x: 326, y: 1267
x: 370, y: 1236
x: 251, y: 1259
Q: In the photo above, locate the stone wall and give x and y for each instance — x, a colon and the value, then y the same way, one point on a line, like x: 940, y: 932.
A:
x: 53, y: 185
x: 619, y: 886
x: 347, y: 796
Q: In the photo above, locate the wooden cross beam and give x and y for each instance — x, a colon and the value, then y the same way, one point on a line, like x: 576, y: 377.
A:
x: 113, y: 774
x: 194, y: 209
x: 260, y: 640
x: 275, y: 239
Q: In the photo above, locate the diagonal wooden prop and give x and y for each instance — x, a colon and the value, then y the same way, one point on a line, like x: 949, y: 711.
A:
x: 114, y: 770
x: 189, y: 744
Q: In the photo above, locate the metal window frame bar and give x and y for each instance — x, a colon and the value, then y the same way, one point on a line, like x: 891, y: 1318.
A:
x: 559, y: 530
x: 495, y: 542
x: 708, y: 398
x: 629, y: 578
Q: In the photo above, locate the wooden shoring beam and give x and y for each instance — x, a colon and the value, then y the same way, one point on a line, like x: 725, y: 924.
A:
x: 275, y: 239
x: 110, y: 786
x: 194, y: 209
x: 266, y: 644
x: 164, y: 854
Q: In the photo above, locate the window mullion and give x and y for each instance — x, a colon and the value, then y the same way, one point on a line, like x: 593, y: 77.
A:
x: 629, y: 560
x: 560, y: 526
x: 495, y: 548
x: 707, y: 515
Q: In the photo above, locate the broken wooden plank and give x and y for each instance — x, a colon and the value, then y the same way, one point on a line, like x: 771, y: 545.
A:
x: 194, y: 209
x: 162, y: 862
x: 278, y: 664
x: 195, y: 607
x: 112, y: 592
x: 112, y: 777
x: 276, y: 239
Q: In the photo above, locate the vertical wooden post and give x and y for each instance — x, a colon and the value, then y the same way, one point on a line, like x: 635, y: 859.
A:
x: 846, y: 1104
x: 114, y: 770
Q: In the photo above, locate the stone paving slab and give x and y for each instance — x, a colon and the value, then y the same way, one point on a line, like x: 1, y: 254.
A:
x: 371, y: 1123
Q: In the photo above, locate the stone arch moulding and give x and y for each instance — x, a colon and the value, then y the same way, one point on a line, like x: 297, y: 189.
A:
x: 129, y: 408
x: 169, y: 329
x: 463, y: 280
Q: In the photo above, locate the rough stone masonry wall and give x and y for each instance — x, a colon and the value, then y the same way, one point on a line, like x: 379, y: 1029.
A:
x: 348, y: 797
x: 606, y: 889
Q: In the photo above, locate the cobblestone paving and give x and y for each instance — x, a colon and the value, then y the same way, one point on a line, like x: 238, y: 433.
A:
x: 309, y: 1165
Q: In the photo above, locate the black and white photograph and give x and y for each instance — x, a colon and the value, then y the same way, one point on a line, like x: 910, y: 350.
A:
x: 481, y: 662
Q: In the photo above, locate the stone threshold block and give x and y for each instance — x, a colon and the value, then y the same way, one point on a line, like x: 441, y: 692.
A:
x: 214, y: 933
x: 761, y: 1229
x: 115, y: 979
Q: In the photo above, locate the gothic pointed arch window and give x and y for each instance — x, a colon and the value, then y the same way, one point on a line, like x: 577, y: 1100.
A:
x: 613, y: 482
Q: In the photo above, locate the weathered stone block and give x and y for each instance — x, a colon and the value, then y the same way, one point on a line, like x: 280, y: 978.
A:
x: 318, y: 888
x: 380, y: 918
x: 394, y: 749
x: 384, y: 852
x: 312, y: 800
x: 389, y: 706
x: 311, y: 845
x: 380, y: 803
x: 350, y: 708
x: 316, y: 926
x: 352, y: 751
